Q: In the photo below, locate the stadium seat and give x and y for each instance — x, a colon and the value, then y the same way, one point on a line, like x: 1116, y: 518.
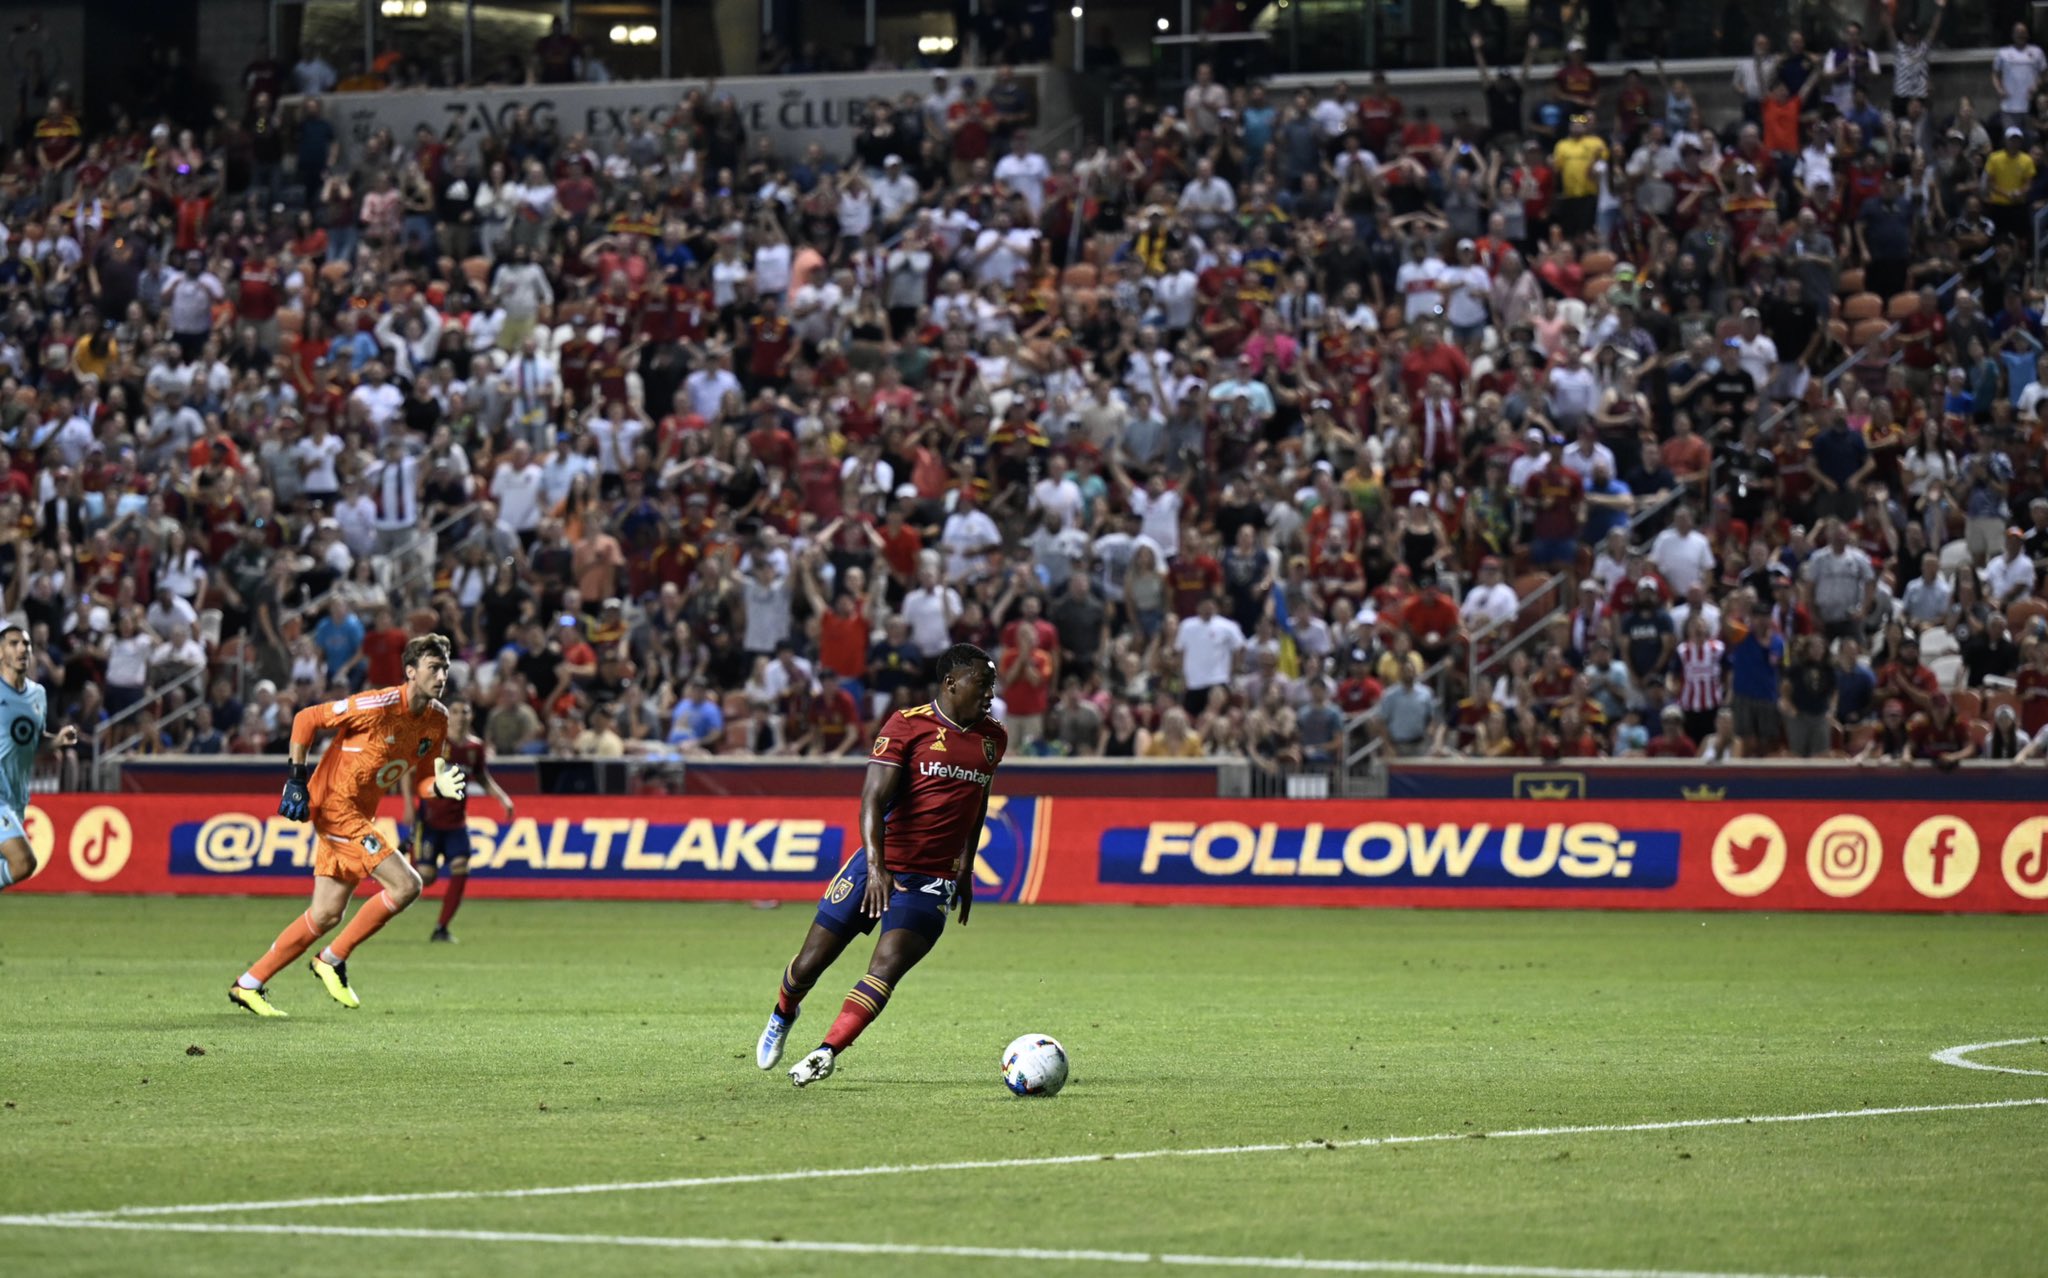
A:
x: 1903, y: 306
x: 1849, y: 283
x: 1596, y: 287
x: 1573, y: 312
x: 478, y: 271
x: 2022, y: 613
x: 334, y: 273
x: 1597, y: 263
x: 1955, y: 557
x: 1936, y: 642
x: 1079, y: 275
x: 1948, y: 671
x: 1838, y: 332
x: 1980, y: 732
x: 1968, y: 704
x: 1862, y: 306
x: 1867, y: 331
x: 1529, y: 583
x: 1860, y: 736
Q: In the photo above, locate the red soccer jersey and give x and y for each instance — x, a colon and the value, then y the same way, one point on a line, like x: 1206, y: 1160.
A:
x: 947, y: 771
x: 449, y: 814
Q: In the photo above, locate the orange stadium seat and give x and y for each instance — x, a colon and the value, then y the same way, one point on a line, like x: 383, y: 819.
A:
x: 1079, y: 275
x: 1849, y: 283
x: 1598, y: 262
x: 1903, y: 306
x: 1968, y: 704
x: 478, y: 270
x: 2021, y: 613
x: 1862, y: 306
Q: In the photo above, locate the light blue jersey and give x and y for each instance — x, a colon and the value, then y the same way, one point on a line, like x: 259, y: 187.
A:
x: 23, y: 713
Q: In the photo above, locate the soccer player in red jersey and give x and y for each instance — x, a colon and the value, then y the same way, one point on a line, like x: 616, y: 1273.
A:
x: 379, y: 736
x: 922, y: 807
x: 444, y: 823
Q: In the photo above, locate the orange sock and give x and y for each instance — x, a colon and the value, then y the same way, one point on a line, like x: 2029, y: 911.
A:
x: 376, y: 912
x: 295, y: 940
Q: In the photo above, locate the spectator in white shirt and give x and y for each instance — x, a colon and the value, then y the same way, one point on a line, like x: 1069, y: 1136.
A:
x: 967, y: 538
x: 1204, y: 103
x: 2009, y: 576
x: 517, y: 487
x: 1208, y: 645
x: 1489, y: 603
x: 1207, y: 200
x: 1024, y: 173
x: 1682, y: 553
x: 895, y: 193
x: 2015, y: 70
x: 1420, y: 281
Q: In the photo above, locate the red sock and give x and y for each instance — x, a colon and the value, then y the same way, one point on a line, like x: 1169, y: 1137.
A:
x: 864, y: 1002
x: 295, y: 940
x: 452, y: 901
x: 791, y: 995
x: 376, y: 912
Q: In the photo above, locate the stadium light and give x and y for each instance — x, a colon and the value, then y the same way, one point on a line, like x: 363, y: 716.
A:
x: 1164, y: 25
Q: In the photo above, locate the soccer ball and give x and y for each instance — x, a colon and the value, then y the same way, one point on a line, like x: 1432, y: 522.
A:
x: 1035, y: 1065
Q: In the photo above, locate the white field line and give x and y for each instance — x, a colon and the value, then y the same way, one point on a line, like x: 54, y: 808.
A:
x: 1959, y: 1056
x: 1296, y: 1263
x: 992, y: 1164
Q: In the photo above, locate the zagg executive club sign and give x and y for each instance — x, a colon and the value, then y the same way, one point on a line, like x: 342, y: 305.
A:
x: 793, y: 111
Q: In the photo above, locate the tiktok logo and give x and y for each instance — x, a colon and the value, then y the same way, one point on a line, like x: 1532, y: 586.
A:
x: 2025, y: 859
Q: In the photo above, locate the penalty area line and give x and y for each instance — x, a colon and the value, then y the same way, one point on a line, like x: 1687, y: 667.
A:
x: 1177, y: 1259
x: 996, y: 1164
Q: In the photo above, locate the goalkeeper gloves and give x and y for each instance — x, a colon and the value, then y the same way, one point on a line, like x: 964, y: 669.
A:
x: 449, y: 782
x: 296, y: 804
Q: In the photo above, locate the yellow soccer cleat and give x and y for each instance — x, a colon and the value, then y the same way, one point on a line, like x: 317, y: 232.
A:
x: 253, y: 1001
x: 335, y: 977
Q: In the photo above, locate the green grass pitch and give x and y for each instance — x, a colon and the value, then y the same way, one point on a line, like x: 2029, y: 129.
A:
x: 564, y: 1044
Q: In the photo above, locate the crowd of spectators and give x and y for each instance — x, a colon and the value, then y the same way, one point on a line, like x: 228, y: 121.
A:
x: 1274, y: 424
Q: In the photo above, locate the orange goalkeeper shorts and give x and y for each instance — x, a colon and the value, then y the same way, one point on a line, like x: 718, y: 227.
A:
x: 348, y: 848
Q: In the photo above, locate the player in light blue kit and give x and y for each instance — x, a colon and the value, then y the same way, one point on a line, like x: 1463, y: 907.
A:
x: 24, y: 709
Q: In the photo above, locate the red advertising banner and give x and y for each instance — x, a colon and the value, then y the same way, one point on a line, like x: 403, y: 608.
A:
x: 1487, y: 853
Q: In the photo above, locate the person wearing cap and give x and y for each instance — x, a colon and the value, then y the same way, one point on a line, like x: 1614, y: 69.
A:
x: 2008, y: 177
x: 1579, y: 158
x: 2010, y: 576
x: 1468, y: 288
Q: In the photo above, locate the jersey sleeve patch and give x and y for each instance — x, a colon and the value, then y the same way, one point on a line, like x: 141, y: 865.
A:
x: 892, y: 747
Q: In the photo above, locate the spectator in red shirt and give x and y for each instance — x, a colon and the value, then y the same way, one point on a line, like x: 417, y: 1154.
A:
x: 1672, y: 743
x: 383, y: 647
x: 1026, y: 677
x: 1431, y: 619
x: 1431, y: 355
x: 1557, y: 506
x: 1906, y: 679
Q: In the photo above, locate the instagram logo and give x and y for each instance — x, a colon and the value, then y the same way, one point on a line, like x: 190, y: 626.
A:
x: 1843, y: 855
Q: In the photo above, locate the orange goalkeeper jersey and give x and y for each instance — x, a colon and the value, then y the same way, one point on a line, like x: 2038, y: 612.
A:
x: 377, y: 741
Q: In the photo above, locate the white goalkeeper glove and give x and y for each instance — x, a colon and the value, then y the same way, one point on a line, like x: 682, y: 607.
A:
x: 449, y: 781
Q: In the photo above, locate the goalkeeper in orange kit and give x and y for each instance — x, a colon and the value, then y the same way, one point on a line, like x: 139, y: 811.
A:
x: 380, y: 735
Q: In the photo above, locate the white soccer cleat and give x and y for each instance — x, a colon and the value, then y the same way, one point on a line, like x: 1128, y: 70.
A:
x: 812, y: 1068
x: 768, y: 1052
